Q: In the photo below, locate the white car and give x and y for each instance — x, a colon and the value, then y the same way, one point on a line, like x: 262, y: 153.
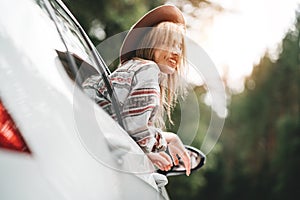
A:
x: 55, y: 142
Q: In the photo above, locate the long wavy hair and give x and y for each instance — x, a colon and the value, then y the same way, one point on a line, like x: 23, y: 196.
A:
x: 166, y: 36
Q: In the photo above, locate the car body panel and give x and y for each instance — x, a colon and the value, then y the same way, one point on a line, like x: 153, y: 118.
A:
x: 78, y: 151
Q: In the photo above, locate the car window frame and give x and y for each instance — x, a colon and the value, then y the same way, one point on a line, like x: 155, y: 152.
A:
x: 100, y: 64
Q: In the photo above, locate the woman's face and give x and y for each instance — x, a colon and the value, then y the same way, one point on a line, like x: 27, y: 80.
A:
x: 168, y: 60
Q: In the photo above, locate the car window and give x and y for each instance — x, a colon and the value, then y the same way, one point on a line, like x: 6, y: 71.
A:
x: 72, y: 36
x: 76, y: 45
x: 82, y: 55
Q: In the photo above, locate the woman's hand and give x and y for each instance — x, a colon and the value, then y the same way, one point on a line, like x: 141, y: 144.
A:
x: 161, y: 160
x: 176, y: 147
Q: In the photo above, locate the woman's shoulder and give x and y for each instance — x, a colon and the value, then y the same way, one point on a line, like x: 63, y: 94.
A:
x: 139, y: 64
x: 142, y: 61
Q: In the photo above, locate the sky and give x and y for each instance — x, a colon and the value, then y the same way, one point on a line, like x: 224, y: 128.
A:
x: 236, y: 39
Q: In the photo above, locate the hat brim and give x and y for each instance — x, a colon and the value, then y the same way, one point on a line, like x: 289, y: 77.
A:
x: 152, y: 18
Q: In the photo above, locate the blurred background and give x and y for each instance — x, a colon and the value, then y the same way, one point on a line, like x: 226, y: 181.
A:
x: 255, y: 47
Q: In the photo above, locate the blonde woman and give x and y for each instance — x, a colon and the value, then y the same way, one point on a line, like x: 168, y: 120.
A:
x: 147, y: 84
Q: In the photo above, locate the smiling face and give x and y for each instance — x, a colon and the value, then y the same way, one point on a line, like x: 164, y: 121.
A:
x: 164, y: 44
x: 168, y: 60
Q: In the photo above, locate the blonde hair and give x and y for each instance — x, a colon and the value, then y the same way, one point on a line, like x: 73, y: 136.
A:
x: 165, y: 36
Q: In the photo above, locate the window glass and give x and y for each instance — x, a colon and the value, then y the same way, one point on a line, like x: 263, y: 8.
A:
x: 75, y: 41
x: 76, y: 45
x: 79, y: 49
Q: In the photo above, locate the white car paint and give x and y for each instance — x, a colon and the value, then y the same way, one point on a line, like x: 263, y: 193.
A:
x: 78, y: 151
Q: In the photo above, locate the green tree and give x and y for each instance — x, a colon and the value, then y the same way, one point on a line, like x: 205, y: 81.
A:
x: 115, y: 16
x: 261, y: 138
x: 257, y: 156
x: 112, y: 16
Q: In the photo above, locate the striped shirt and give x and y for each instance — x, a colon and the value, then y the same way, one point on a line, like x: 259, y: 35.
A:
x: 136, y: 85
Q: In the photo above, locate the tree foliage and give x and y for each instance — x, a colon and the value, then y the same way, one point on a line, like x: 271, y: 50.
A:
x: 112, y: 16
x: 260, y: 144
x: 115, y: 16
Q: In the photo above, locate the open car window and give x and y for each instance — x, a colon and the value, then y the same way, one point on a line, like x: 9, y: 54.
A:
x: 81, y: 59
x: 72, y: 36
x: 78, y: 51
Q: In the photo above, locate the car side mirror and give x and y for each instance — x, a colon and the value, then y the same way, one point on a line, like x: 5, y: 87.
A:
x: 198, y: 159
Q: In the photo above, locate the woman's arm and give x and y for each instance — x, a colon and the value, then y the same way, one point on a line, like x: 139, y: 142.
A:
x: 176, y: 147
x: 141, y: 106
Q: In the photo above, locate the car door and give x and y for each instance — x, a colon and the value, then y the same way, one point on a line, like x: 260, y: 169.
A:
x: 76, y: 150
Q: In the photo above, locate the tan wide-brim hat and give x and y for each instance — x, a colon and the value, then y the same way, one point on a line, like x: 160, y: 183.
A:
x: 157, y: 15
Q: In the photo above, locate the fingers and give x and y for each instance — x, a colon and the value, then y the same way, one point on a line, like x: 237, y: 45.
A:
x: 159, y: 165
x: 175, y: 158
x: 165, y: 160
x: 187, y: 163
x: 162, y: 166
x: 167, y: 157
x: 161, y: 160
x: 182, y: 153
x: 176, y: 147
